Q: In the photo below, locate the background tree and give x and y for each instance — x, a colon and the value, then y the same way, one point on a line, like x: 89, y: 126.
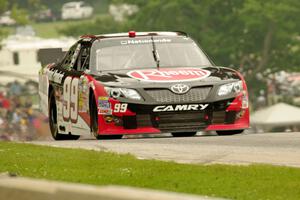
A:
x: 20, y: 15
x: 104, y: 24
x: 56, y: 5
x: 35, y: 5
x: 3, y: 7
x: 251, y: 35
x: 256, y: 37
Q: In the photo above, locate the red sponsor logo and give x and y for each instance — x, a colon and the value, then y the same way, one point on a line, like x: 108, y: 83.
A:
x: 169, y: 75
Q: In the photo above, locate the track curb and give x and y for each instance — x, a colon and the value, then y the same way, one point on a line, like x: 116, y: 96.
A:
x: 13, y: 188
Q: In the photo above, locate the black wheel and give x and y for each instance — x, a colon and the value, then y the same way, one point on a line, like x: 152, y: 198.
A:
x: 94, y: 117
x: 53, y: 118
x: 184, y: 134
x: 53, y: 121
x: 94, y: 121
x: 232, y: 132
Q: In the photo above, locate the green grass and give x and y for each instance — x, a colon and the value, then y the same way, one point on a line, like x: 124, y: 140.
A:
x: 52, y: 29
x: 100, y: 168
x: 46, y: 29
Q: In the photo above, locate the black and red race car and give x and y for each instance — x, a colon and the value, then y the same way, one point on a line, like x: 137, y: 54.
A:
x: 138, y: 83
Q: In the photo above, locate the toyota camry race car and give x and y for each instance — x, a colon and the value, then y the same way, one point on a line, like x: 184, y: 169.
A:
x: 138, y: 83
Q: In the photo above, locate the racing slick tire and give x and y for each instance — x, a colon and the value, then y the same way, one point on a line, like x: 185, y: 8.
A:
x: 53, y: 121
x: 184, y: 134
x: 232, y: 132
x: 94, y: 116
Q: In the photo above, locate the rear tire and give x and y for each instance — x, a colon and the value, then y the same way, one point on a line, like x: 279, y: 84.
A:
x: 184, y: 134
x: 232, y: 132
x: 53, y: 121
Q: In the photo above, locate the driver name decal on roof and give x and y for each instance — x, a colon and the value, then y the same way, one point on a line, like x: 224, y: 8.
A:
x: 146, y: 41
x: 169, y: 75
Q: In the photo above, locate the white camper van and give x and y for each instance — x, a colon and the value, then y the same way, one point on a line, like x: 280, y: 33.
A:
x: 76, y: 10
x: 6, y: 20
x: 20, y: 59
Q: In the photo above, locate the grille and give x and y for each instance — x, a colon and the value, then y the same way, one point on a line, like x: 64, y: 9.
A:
x: 182, y: 121
x: 175, y: 121
x: 143, y: 120
x: 222, y: 117
x: 166, y: 96
x: 218, y: 117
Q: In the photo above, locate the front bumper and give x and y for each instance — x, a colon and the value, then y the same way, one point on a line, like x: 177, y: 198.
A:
x: 140, y: 119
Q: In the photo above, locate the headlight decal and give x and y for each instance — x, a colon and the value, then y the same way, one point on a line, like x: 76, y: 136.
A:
x: 230, y: 88
x: 123, y: 92
x: 130, y: 93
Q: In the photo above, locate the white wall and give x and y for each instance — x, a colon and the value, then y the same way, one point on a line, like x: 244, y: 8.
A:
x: 29, y: 58
x: 6, y: 58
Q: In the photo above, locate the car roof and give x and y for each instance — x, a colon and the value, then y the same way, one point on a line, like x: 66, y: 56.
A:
x: 137, y: 34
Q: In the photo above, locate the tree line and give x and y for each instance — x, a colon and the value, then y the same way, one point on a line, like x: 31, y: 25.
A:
x: 253, y: 36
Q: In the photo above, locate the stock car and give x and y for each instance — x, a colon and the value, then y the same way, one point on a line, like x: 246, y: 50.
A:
x: 141, y: 83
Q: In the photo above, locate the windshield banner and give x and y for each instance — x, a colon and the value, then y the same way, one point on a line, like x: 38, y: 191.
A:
x: 169, y: 75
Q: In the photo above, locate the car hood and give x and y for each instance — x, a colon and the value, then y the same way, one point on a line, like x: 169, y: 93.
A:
x: 166, y: 76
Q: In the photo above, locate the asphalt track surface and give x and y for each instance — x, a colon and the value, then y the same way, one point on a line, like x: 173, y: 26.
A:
x: 265, y: 148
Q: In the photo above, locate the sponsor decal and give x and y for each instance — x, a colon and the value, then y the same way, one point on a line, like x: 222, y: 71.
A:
x: 169, y: 75
x: 183, y: 107
x: 56, y: 76
x: 83, y: 94
x: 104, y: 106
x: 146, y: 41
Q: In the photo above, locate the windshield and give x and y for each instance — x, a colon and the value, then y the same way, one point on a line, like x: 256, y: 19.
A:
x: 137, y: 53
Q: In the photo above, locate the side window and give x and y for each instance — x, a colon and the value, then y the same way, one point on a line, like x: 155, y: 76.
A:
x: 16, y: 58
x: 83, y: 59
x: 67, y: 60
x: 71, y: 56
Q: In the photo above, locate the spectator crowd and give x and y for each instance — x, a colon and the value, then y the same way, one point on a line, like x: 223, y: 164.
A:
x: 18, y: 118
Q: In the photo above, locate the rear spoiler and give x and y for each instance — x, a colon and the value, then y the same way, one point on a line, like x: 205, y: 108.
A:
x: 50, y: 55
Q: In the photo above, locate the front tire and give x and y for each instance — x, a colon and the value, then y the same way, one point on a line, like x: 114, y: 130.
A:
x: 53, y: 121
x: 184, y: 134
x: 232, y: 132
x: 94, y: 122
x: 94, y: 117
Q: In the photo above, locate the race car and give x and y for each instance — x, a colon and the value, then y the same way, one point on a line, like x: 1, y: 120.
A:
x: 141, y: 83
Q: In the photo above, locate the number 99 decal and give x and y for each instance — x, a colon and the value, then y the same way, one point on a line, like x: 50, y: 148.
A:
x: 120, y: 107
x: 70, y: 99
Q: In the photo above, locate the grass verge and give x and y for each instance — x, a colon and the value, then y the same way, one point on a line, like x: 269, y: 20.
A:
x: 101, y: 168
x: 46, y: 29
x: 52, y: 29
